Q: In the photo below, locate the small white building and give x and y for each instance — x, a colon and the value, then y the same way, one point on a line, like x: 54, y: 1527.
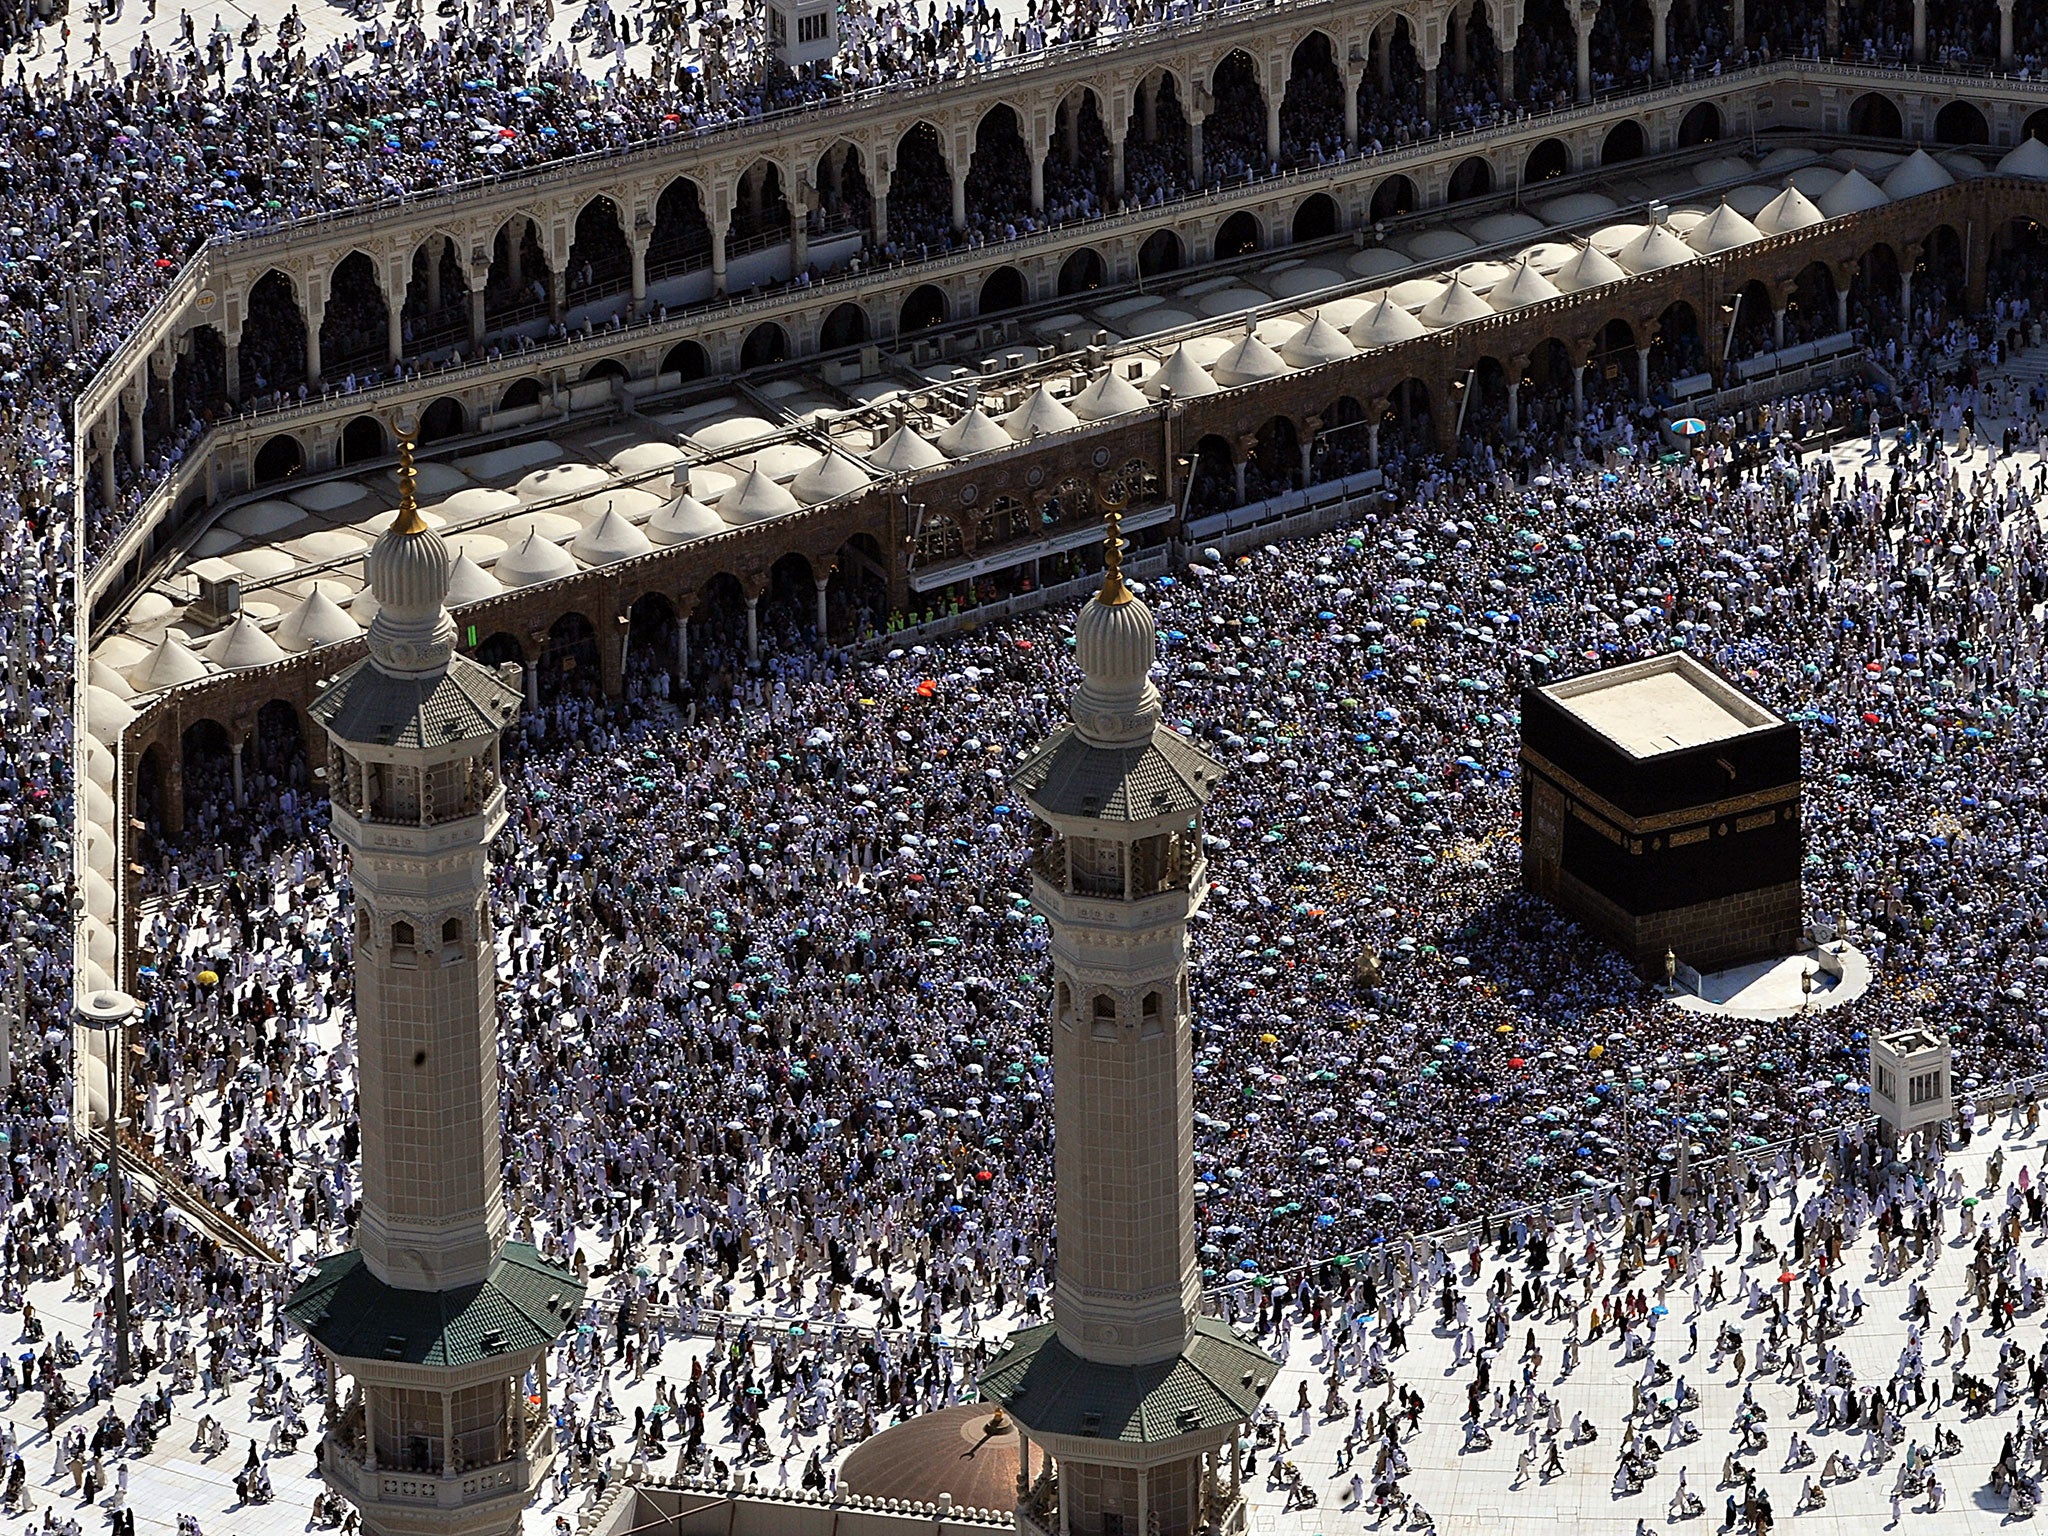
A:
x: 804, y: 31
x: 1911, y: 1085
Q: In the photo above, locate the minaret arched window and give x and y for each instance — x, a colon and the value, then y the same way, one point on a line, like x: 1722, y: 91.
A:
x: 451, y: 941
x: 404, y: 944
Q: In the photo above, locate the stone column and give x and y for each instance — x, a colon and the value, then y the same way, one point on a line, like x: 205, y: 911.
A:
x: 719, y: 226
x: 1834, y: 28
x: 240, y: 795
x: 1461, y: 56
x: 1116, y: 165
x: 109, y: 435
x: 1660, y: 38
x: 753, y: 628
x: 1582, y: 28
x: 1842, y: 307
x: 1386, y: 58
x: 1778, y: 328
x: 1239, y: 467
x: 137, y: 402
x: 1273, y: 100
x: 879, y: 195
x: 1514, y: 422
x: 436, y: 247
x: 799, y: 230
x: 822, y: 582
x: 1507, y: 71
x: 1372, y: 445
x: 1148, y: 112
x: 515, y: 251
x: 960, y: 200
x: 683, y: 646
x: 1349, y: 80
x: 2005, y: 34
x: 1578, y: 391
x: 641, y: 239
x: 1643, y: 373
x: 558, y: 282
x: 1037, y: 183
x: 477, y: 284
x: 1906, y: 293
x: 1196, y: 169
x: 1919, y: 31
x: 316, y: 311
x: 394, y: 334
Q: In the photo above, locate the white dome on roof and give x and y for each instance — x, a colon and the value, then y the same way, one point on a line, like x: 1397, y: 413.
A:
x: 1454, y: 304
x: 971, y: 434
x: 1524, y: 286
x: 1919, y: 172
x: 171, y: 663
x: 1589, y: 269
x: 560, y: 480
x: 1181, y: 374
x: 609, y: 540
x: 107, y: 715
x: 242, y: 645
x: 683, y: 519
x: 1653, y: 250
x: 1791, y: 209
x: 469, y: 582
x: 100, y: 675
x: 318, y: 621
x: 829, y: 479
x: 1315, y: 344
x: 905, y: 452
x: 2028, y: 158
x: 1249, y: 361
x: 1039, y: 416
x: 755, y: 499
x: 1854, y: 193
x: 1385, y: 324
x: 532, y: 561
x: 1110, y: 395
x: 1722, y: 230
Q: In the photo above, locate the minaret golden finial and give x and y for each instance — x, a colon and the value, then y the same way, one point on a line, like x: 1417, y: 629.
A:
x: 1113, y: 589
x: 409, y: 520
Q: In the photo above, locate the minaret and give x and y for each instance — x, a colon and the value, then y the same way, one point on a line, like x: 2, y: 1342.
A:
x: 1137, y: 1397
x: 436, y: 1317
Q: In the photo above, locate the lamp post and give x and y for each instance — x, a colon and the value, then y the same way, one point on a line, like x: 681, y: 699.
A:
x: 108, y: 1013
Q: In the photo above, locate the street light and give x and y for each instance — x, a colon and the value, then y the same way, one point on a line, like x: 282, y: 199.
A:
x: 108, y: 1013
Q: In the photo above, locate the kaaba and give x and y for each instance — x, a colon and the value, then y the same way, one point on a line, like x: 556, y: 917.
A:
x: 1660, y: 807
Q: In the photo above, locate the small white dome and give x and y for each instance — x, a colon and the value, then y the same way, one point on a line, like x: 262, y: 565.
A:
x: 971, y: 434
x: 905, y: 453
x: 561, y: 480
x: 683, y: 519
x: 100, y: 675
x: 1722, y: 230
x: 1039, y: 416
x: 317, y: 621
x: 1591, y: 268
x: 1249, y: 361
x: 1525, y: 285
x: 1791, y: 209
x: 171, y: 663
x: 1315, y: 344
x: 1653, y: 250
x: 2028, y: 158
x: 107, y: 715
x: 1385, y: 324
x: 1110, y: 395
x: 469, y: 582
x: 830, y: 478
x: 242, y: 645
x: 1454, y: 304
x: 1854, y: 193
x: 609, y: 540
x: 755, y: 499
x: 1919, y: 172
x: 532, y: 561
x: 1181, y: 374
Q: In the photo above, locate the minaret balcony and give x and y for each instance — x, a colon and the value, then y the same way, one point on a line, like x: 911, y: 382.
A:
x: 391, y: 1489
